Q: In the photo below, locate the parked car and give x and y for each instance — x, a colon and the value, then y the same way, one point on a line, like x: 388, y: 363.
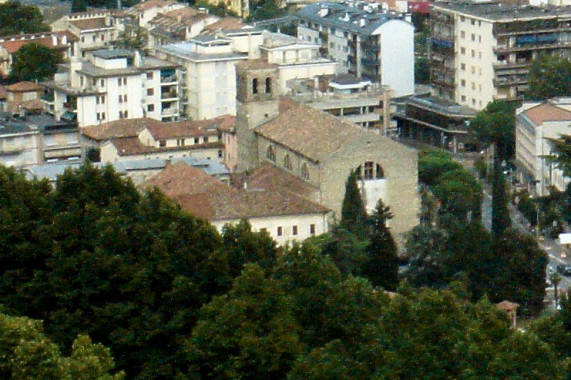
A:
x: 564, y: 269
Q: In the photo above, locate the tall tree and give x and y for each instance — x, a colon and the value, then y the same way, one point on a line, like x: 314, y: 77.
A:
x: 353, y: 213
x: 549, y: 76
x: 501, y: 219
x: 35, y: 62
x: 495, y: 125
x: 16, y: 18
x: 381, y: 268
x: 561, y: 157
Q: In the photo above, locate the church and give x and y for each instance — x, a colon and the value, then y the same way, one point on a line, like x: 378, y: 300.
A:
x: 319, y: 151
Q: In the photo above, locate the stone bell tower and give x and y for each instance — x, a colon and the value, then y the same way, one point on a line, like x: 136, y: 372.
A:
x: 257, y: 101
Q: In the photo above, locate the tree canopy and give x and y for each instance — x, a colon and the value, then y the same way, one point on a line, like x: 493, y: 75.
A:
x: 353, y: 213
x: 16, y: 18
x: 35, y: 62
x: 549, y: 76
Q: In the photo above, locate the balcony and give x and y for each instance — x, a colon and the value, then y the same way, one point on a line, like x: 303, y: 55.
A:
x: 510, y: 81
x: 169, y: 95
x: 167, y: 79
x: 169, y: 112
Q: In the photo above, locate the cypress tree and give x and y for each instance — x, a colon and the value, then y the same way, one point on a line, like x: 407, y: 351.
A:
x: 353, y: 213
x: 501, y: 220
x: 382, y: 265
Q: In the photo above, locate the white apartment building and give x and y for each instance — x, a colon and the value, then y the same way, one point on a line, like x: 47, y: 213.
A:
x: 368, y: 43
x: 480, y: 52
x: 112, y: 85
x: 535, y: 124
x: 209, y: 75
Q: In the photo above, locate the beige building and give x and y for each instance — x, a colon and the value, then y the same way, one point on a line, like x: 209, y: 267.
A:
x: 140, y: 139
x: 535, y: 124
x: 480, y: 52
x: 284, y: 215
x: 322, y: 150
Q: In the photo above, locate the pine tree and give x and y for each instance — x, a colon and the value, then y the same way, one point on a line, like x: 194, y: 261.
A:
x: 353, y: 214
x: 501, y: 220
x: 382, y: 266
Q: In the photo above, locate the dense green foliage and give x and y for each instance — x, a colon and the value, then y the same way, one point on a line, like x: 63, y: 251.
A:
x: 549, y: 76
x: 495, y: 125
x: 16, y: 18
x: 353, y: 214
x: 458, y: 192
x: 35, y: 62
x: 172, y: 298
x: 501, y: 219
x: 27, y: 353
x: 265, y: 9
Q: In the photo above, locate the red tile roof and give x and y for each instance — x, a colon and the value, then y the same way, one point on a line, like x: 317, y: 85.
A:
x: 209, y: 198
x: 269, y: 177
x: 44, y: 39
x: 547, y: 112
x: 225, y: 23
x: 131, y: 146
x: 24, y: 87
x: 118, y: 128
x: 90, y: 23
x: 194, y: 128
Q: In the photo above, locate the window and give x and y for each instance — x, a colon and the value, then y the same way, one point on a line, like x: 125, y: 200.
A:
x: 120, y: 98
x: 463, y: 66
x: 255, y: 86
x: 294, y: 230
x: 463, y: 98
x: 126, y: 114
x: 473, y: 53
x: 473, y: 86
x: 473, y: 101
x: 98, y: 116
x: 473, y: 22
x: 479, y: 55
x: 102, y: 115
x: 125, y: 97
x: 102, y: 82
x: 463, y: 83
x: 150, y: 92
x: 287, y: 162
x: 370, y: 170
x: 271, y: 153
x: 97, y: 100
x: 180, y: 142
x: 304, y: 172
x: 312, y: 229
x: 94, y: 82
x: 479, y: 38
x: 219, y: 154
x: 462, y: 50
x: 197, y: 140
x: 473, y: 69
x: 162, y: 143
x: 205, y: 139
x: 103, y: 100
x: 462, y: 34
x: 280, y: 231
x: 119, y: 81
x: 462, y: 18
x: 473, y: 37
x: 150, y: 75
x: 125, y: 81
x: 268, y: 85
x: 120, y: 114
x: 151, y: 108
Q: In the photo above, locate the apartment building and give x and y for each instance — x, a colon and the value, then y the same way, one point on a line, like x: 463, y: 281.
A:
x: 112, y: 85
x: 535, y: 124
x: 367, y: 42
x: 93, y: 30
x: 480, y: 52
x: 209, y: 75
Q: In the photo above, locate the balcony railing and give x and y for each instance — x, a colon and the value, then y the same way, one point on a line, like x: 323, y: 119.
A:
x: 168, y: 79
x: 169, y: 95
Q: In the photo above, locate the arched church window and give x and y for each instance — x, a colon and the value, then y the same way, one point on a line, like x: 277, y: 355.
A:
x: 304, y: 172
x: 271, y: 153
x: 255, y: 86
x: 287, y: 162
x: 370, y: 170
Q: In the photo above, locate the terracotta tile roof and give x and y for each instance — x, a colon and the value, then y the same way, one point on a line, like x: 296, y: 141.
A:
x: 24, y: 87
x: 225, y: 23
x: 209, y: 198
x: 146, y: 5
x: 183, y: 13
x: 47, y: 40
x: 90, y: 23
x: 286, y: 103
x: 193, y: 128
x: 118, y: 128
x: 314, y: 134
x: 547, y: 112
x: 130, y: 146
x: 33, y: 105
x: 269, y: 177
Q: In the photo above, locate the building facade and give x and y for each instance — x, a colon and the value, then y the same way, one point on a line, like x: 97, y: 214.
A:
x: 368, y: 43
x: 480, y: 52
x: 112, y: 85
x: 536, y: 123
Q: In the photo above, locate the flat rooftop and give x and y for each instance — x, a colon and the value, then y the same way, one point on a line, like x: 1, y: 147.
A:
x: 505, y: 12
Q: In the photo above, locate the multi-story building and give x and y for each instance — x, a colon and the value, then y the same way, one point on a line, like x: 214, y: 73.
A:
x: 93, y: 30
x: 9, y: 45
x: 209, y: 75
x: 536, y: 123
x: 368, y: 43
x: 480, y: 52
x: 114, y: 84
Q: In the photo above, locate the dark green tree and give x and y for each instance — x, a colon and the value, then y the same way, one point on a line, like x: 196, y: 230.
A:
x: 353, y: 213
x: 424, y: 248
x: 78, y: 6
x: 382, y: 265
x: 561, y: 157
x: 35, y: 62
x: 501, y: 219
x: 347, y: 250
x: 16, y: 18
x: 549, y: 76
x: 495, y: 125
x: 265, y: 9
